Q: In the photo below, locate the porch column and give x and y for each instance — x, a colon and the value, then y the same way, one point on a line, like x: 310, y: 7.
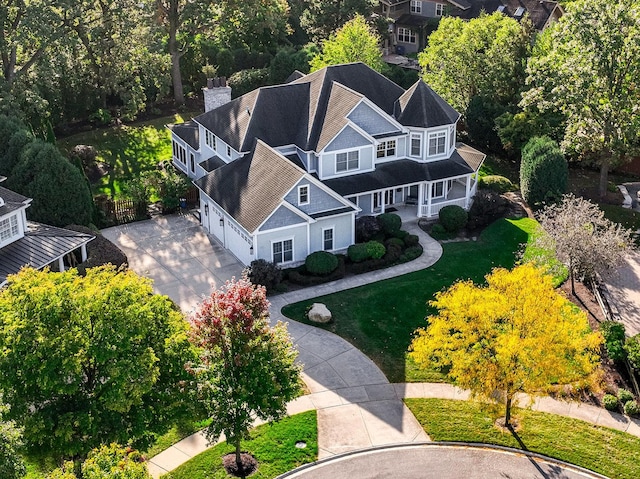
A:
x: 61, y: 264
x: 429, y: 188
x: 83, y: 252
x: 420, y: 199
x: 466, y: 197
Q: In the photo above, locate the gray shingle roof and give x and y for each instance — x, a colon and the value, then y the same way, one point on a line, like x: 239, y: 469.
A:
x: 341, y: 102
x: 251, y: 188
x: 463, y: 161
x: 422, y: 107
x: 212, y: 163
x: 12, y: 200
x: 188, y: 131
x: 539, y: 11
x: 40, y: 245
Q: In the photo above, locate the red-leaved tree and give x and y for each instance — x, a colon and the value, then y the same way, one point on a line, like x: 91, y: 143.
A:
x: 247, y: 368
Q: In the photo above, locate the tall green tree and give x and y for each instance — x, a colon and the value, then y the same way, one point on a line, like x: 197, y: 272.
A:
x: 321, y: 18
x: 516, y: 334
x: 247, y: 368
x: 87, y: 360
x: 485, y: 56
x: 543, y: 171
x: 590, y: 74
x: 11, y: 463
x: 355, y: 41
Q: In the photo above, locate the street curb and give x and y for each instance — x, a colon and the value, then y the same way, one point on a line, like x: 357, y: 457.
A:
x: 437, y: 444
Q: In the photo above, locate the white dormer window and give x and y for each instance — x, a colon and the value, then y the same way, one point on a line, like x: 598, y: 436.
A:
x: 303, y: 195
x: 229, y: 151
x: 437, y: 143
x: 9, y: 228
x: 452, y: 136
x: 386, y: 148
x: 349, y: 160
x: 210, y: 139
x: 416, y: 6
x: 416, y: 145
x: 439, y: 9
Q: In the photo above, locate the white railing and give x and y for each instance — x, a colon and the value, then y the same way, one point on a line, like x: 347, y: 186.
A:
x: 433, y: 210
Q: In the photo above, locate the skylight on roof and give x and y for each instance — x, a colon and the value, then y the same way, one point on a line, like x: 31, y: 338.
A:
x: 519, y: 12
x: 500, y: 9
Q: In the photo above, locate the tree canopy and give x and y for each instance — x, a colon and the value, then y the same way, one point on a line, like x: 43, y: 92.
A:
x: 11, y: 463
x: 247, y: 368
x: 321, y: 18
x: 516, y: 334
x: 355, y: 41
x: 583, y: 239
x: 589, y: 73
x: 90, y: 360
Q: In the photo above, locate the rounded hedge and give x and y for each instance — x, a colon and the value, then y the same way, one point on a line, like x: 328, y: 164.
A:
x: 390, y: 223
x: 453, y: 218
x: 543, y: 171
x: 375, y: 249
x: 496, y: 183
x: 358, y: 252
x: 412, y: 240
x: 610, y: 402
x: 624, y: 396
x: 631, y: 408
x: 395, y: 242
x: 321, y: 263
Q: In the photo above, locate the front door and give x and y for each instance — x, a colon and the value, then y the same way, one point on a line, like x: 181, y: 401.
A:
x: 389, y: 196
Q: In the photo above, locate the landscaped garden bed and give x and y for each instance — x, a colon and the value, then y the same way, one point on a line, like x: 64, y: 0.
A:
x: 606, y: 451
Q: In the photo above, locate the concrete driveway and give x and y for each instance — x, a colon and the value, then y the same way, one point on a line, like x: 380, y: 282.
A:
x: 184, y: 262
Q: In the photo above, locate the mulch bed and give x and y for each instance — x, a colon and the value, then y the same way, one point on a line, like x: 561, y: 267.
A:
x: 249, y: 464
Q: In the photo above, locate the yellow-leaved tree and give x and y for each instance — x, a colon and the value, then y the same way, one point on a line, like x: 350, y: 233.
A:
x: 516, y: 334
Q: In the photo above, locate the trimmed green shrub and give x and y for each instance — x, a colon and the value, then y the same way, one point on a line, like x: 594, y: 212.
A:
x: 632, y: 347
x: 402, y: 234
x: 610, y: 402
x: 390, y: 223
x: 18, y: 142
x: 245, y: 81
x: 410, y: 254
x: 624, y: 396
x: 366, y: 228
x: 358, y: 252
x: 297, y: 276
x: 438, y: 232
x: 265, y: 273
x: 496, y: 183
x: 453, y: 218
x: 395, y: 242
x: 411, y: 240
x: 543, y: 171
x: 321, y: 263
x: 614, y: 339
x: 394, y: 251
x: 631, y: 408
x: 375, y: 250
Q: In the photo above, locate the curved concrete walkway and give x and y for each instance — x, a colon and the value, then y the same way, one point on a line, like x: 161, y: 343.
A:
x: 441, y: 461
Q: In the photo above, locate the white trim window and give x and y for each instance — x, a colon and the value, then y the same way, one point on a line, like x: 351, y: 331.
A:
x: 347, y: 161
x: 303, y: 194
x: 210, y: 139
x: 406, y: 35
x: 437, y: 142
x: 9, y: 228
x: 327, y: 239
x: 439, y: 9
x: 282, y: 251
x: 437, y: 189
x: 416, y: 6
x: 416, y: 145
x: 180, y: 153
x: 386, y: 148
x: 192, y: 163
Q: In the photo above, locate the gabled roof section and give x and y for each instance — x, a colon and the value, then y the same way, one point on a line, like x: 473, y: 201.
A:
x: 11, y: 201
x: 294, y: 76
x: 341, y: 102
x: 355, y: 76
x: 252, y: 187
x: 188, y: 131
x: 422, y: 107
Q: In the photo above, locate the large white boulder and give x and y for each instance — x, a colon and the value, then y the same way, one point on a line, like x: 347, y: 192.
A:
x: 319, y: 313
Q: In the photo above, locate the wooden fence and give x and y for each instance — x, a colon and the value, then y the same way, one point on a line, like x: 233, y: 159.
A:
x: 117, y: 212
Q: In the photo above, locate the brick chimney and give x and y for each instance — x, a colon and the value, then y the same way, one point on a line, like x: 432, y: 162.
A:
x: 216, y: 94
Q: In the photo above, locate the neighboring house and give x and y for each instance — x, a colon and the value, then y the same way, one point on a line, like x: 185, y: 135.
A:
x: 284, y: 170
x: 26, y: 243
x: 413, y: 20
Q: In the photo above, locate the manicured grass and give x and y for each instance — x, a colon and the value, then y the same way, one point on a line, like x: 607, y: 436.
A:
x: 129, y: 149
x: 607, y: 451
x: 273, y: 445
x: 173, y: 435
x: 380, y: 318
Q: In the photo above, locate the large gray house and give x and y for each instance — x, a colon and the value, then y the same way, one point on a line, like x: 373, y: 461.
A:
x: 284, y: 170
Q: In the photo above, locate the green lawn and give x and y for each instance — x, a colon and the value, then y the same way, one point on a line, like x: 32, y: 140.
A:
x: 273, y: 445
x: 380, y: 318
x: 129, y: 149
x: 607, y: 451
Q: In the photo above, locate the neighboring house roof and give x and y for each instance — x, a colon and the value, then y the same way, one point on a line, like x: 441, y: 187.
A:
x: 41, y: 245
x: 294, y: 76
x: 540, y: 11
x: 463, y: 161
x: 252, y: 187
x: 12, y: 200
x: 188, y: 131
x: 412, y: 20
x: 422, y: 107
x: 212, y: 163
